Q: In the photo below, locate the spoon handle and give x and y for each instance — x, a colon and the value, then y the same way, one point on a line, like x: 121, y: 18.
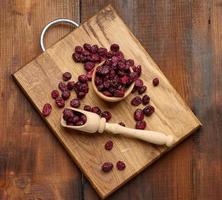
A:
x: 145, y: 135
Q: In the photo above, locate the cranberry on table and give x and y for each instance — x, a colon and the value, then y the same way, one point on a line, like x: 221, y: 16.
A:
x: 155, y: 82
x: 67, y: 76
x: 87, y: 47
x: 76, y: 57
x: 142, y: 89
x: 60, y: 102
x: 137, y: 69
x: 87, y: 108
x: 94, y: 48
x: 46, y: 110
x: 145, y: 99
x: 88, y: 66
x: 83, y: 78
x: 140, y: 125
x: 114, y: 47
x: 138, y: 83
x: 148, y: 110
x: 109, y: 145
x: 78, y: 49
x: 120, y: 165
x: 54, y: 94
x: 122, y: 124
x: 62, y: 86
x: 70, y: 85
x: 65, y: 94
x: 107, y: 166
x: 136, y: 101
x: 138, y: 114
x: 81, y: 95
x: 107, y: 115
x: 96, y: 110
x: 75, y: 103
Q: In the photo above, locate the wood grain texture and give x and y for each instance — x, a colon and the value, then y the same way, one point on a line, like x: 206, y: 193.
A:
x: 33, y: 164
x: 172, y: 116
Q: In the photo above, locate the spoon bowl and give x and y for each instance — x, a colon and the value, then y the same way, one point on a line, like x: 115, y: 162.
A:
x: 104, y: 97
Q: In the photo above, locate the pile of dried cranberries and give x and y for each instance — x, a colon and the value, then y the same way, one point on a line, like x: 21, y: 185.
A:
x: 74, y: 118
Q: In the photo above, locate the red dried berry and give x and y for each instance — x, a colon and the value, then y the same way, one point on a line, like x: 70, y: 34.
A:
x: 107, y: 115
x: 138, y: 83
x: 122, y: 124
x: 114, y: 47
x: 75, y: 103
x: 107, y: 93
x: 138, y: 115
x: 67, y: 114
x: 82, y: 78
x: 76, y: 57
x: 54, y: 94
x: 81, y: 95
x: 155, y: 82
x: 87, y: 47
x: 107, y: 166
x: 46, y: 110
x: 136, y: 101
x: 120, y: 165
x: 67, y: 76
x: 89, y: 75
x: 96, y: 110
x: 145, y: 99
x: 88, y: 66
x: 60, y: 102
x: 148, y: 110
x: 140, y: 125
x: 70, y: 85
x: 119, y: 93
x: 87, y: 108
x: 142, y: 89
x: 83, y: 118
x: 109, y: 145
x: 62, y: 86
x: 65, y: 94
x: 94, y: 48
x: 78, y: 49
x: 102, y: 51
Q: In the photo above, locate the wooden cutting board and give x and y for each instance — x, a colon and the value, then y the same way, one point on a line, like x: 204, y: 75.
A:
x: 172, y: 115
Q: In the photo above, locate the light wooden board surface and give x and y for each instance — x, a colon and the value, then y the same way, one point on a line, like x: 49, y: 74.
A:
x: 172, y: 115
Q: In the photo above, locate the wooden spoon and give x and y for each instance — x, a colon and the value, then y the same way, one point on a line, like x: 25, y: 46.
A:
x: 104, y: 97
x: 96, y: 124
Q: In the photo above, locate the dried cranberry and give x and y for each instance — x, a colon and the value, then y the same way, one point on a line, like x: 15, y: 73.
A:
x: 65, y: 94
x: 89, y: 75
x: 78, y: 49
x: 67, y: 113
x: 83, y: 118
x: 124, y: 80
x: 102, y: 51
x: 46, y: 110
x: 66, y: 76
x: 107, y: 93
x: 119, y: 93
x: 88, y: 66
x: 120, y: 165
x: 137, y: 69
x: 87, y: 47
x: 96, y: 58
x: 107, y: 166
x: 70, y: 85
x: 140, y: 125
x: 100, y: 87
x: 109, y: 145
x: 107, y: 115
x: 145, y: 99
x: 94, y: 48
x: 114, y: 47
x: 83, y: 88
x: 87, y: 108
x: 142, y: 89
x: 121, y: 124
x: 62, y: 86
x: 138, y: 83
x: 79, y: 123
x: 136, y: 101
x: 130, y: 62
x: 155, y: 82
x: 60, y: 102
x: 75, y: 119
x: 148, y: 110
x: 82, y: 78
x: 75, y: 103
x: 54, y: 94
x: 81, y: 95
x: 76, y: 57
x: 96, y: 110
x: 138, y: 115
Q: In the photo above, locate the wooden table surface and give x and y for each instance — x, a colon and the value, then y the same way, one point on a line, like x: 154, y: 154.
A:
x: 183, y: 37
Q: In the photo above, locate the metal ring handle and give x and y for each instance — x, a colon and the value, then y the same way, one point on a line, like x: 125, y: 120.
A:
x: 57, y: 21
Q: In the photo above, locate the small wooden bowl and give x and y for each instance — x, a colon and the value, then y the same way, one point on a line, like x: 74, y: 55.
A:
x: 104, y: 97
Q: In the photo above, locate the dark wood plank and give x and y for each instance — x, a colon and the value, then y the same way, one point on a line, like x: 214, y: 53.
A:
x: 183, y: 37
x: 33, y: 164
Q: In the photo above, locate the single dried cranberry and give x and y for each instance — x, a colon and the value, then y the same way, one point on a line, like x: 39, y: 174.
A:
x: 102, y: 51
x: 114, y: 47
x: 70, y: 85
x: 107, y: 115
x: 83, y: 87
x: 75, y: 103
x: 142, y: 89
x: 67, y: 113
x: 148, y: 110
x: 120, y: 165
x: 107, y: 166
x: 60, y: 102
x: 109, y: 54
x: 54, y: 94
x: 89, y: 75
x: 96, y: 110
x: 140, y: 125
x: 155, y: 82
x: 65, y: 94
x: 107, y: 93
x: 81, y: 95
x: 83, y: 118
x: 94, y: 48
x: 137, y: 69
x: 76, y: 57
x: 122, y: 124
x: 88, y: 66
x: 82, y: 78
x: 119, y: 93
x: 130, y: 62
x: 46, y: 110
x: 78, y: 49
x: 138, y: 83
x: 75, y: 119
x: 138, y: 115
x: 96, y: 58
x: 145, y: 99
x: 136, y: 101
x: 87, y: 47
x: 109, y: 145
x: 87, y: 108
x: 66, y: 76
x: 124, y: 80
x: 62, y: 86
